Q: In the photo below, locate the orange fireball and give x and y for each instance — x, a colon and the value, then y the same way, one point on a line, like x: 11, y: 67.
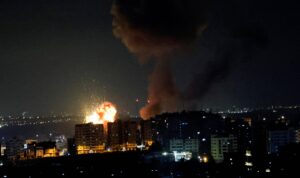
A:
x: 106, y: 112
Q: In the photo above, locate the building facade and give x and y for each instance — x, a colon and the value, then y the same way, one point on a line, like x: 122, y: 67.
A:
x: 184, y: 145
x: 89, y: 138
x: 279, y: 138
x: 220, y: 145
x: 14, y: 148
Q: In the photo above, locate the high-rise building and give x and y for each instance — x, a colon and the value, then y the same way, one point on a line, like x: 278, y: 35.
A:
x: 89, y: 138
x: 129, y: 131
x: 146, y: 132
x: 259, y: 144
x: 114, y: 136
x: 221, y: 145
x: 278, y: 139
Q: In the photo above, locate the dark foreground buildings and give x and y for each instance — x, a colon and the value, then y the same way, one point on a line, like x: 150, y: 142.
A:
x: 188, y: 144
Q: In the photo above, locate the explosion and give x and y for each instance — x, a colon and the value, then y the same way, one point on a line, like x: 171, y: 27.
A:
x: 106, y: 112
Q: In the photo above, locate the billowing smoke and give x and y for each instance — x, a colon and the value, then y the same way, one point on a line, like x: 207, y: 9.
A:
x: 163, y: 93
x: 156, y: 29
x: 239, y: 46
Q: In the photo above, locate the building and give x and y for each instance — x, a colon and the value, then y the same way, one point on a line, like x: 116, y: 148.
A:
x: 71, y: 146
x: 33, y: 149
x: 191, y: 145
x: 279, y: 138
x: 14, y: 148
x: 114, y: 136
x: 176, y: 145
x: 297, y: 136
x: 2, y: 148
x: 220, y: 145
x: 184, y: 145
x: 146, y: 132
x: 29, y: 149
x: 46, y: 149
x: 129, y: 131
x: 90, y: 138
x: 259, y: 144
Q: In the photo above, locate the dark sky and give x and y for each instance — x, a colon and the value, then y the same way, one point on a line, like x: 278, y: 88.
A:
x: 61, y: 55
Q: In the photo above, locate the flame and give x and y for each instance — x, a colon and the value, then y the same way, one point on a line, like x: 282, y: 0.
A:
x: 93, y: 118
x: 106, y: 112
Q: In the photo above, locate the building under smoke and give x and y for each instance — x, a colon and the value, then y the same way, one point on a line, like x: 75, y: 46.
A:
x: 147, y: 132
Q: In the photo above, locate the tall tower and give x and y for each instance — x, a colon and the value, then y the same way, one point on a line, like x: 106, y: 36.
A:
x: 89, y: 138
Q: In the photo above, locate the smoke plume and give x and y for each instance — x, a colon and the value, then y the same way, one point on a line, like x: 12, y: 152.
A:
x: 239, y: 47
x: 163, y: 93
x: 156, y: 29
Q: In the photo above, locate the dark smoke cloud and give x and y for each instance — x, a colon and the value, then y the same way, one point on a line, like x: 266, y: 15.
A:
x: 241, y: 44
x: 163, y: 93
x: 214, y: 71
x: 157, y: 29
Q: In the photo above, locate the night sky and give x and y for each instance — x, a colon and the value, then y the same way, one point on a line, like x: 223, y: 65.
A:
x: 61, y: 56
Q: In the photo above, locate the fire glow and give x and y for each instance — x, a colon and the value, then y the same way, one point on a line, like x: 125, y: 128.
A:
x: 106, y: 112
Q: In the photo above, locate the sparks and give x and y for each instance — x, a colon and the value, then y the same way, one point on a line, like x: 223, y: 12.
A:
x: 106, y: 112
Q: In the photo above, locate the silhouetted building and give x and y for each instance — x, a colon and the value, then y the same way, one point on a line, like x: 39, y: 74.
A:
x: 129, y: 131
x: 46, y: 149
x: 71, y: 146
x: 114, y: 136
x: 259, y: 145
x: 29, y: 149
x: 147, y: 132
x: 242, y: 130
x: 14, y: 147
x: 33, y: 149
x: 89, y: 138
x: 279, y: 138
